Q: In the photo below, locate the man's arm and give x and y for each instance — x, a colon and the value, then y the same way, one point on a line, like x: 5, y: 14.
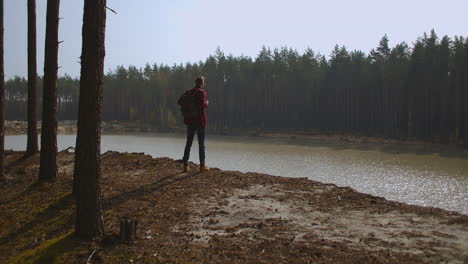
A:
x: 179, y: 102
x: 203, y: 100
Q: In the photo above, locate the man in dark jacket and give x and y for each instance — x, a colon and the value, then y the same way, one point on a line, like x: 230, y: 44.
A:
x: 196, y: 123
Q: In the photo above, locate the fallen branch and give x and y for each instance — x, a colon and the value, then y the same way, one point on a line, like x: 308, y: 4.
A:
x: 68, y: 149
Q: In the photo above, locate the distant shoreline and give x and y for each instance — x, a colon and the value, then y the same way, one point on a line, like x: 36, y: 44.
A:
x: 119, y: 128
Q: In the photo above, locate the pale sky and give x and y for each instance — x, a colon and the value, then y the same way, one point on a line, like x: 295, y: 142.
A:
x: 180, y: 31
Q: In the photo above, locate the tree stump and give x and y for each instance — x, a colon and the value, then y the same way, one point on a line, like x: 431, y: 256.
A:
x: 128, y: 229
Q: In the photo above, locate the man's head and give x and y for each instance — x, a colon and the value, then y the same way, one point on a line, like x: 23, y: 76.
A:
x: 200, y: 81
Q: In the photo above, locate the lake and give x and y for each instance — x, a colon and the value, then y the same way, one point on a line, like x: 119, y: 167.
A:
x: 405, y: 174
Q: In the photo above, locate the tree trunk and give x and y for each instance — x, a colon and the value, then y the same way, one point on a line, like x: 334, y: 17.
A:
x: 2, y: 94
x: 89, y: 223
x: 465, y: 97
x: 32, y: 145
x: 48, y: 163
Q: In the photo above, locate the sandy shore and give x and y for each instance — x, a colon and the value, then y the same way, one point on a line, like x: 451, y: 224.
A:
x: 219, y: 217
x: 21, y: 127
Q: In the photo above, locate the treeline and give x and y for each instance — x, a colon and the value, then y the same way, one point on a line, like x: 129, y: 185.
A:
x: 418, y: 92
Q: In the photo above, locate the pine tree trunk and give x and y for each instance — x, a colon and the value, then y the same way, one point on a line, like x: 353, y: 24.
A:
x: 2, y: 94
x: 465, y: 97
x: 89, y: 223
x: 48, y: 163
x: 32, y: 145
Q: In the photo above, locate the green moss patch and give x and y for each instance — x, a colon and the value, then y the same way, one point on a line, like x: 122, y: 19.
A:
x: 52, y: 251
x: 36, y: 216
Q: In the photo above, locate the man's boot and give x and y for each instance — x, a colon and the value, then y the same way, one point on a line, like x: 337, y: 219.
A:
x: 204, y: 168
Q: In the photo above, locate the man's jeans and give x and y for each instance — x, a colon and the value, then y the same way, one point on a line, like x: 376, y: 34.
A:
x: 191, y: 129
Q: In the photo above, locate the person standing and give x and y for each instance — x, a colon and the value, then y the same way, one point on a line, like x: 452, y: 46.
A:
x: 193, y: 105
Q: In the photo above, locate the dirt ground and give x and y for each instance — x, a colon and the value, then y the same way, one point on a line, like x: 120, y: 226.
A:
x: 217, y: 217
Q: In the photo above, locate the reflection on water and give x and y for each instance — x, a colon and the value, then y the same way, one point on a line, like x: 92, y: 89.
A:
x: 396, y: 173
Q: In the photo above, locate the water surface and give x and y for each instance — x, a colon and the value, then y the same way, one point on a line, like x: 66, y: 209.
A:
x: 396, y: 173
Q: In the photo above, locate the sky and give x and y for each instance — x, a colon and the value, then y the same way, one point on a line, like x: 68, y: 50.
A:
x: 180, y: 31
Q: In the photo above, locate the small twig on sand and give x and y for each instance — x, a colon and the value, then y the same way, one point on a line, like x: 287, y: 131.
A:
x: 113, y: 11
x: 35, y: 242
x: 90, y: 256
x: 105, y: 154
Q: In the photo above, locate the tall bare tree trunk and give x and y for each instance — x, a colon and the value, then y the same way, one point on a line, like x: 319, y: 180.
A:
x: 465, y: 97
x: 48, y: 163
x: 32, y: 145
x: 2, y: 94
x: 89, y: 222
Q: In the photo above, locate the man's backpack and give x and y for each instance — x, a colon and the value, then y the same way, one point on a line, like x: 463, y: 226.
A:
x: 189, y: 106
